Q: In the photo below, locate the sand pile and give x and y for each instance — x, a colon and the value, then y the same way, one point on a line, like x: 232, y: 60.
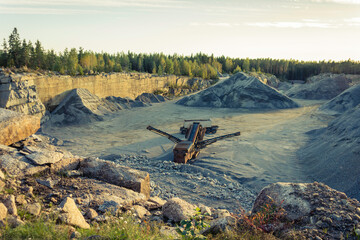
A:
x: 333, y: 154
x: 343, y: 102
x: 325, y: 88
x: 80, y: 106
x: 239, y: 91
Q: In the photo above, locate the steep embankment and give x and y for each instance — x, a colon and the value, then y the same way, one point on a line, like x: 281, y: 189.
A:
x: 332, y: 156
x: 343, y: 102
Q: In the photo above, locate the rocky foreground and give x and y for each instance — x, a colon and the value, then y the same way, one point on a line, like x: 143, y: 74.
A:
x: 38, y: 178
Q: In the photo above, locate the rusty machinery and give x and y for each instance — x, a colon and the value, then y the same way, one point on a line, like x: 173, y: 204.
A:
x: 189, y: 148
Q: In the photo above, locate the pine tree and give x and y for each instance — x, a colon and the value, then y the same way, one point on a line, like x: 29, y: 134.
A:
x: 14, y: 49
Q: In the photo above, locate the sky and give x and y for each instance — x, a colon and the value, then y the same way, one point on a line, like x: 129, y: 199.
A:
x: 282, y: 29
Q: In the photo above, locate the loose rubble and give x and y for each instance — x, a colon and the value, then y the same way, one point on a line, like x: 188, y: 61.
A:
x: 171, y: 179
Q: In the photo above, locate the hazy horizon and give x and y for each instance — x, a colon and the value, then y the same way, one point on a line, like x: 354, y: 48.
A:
x: 283, y: 29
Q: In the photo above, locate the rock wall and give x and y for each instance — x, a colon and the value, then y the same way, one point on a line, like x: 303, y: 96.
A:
x: 52, y: 89
x: 18, y: 93
x: 26, y: 92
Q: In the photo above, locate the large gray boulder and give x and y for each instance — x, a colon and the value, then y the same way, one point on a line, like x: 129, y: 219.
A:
x: 177, y: 209
x: 343, y: 102
x: 309, y: 207
x: 239, y: 91
x: 16, y: 126
x: 110, y: 172
x: 42, y: 156
x: 286, y: 195
x: 324, y: 88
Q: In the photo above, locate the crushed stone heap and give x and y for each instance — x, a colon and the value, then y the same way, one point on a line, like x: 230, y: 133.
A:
x: 81, y: 106
x: 324, y: 88
x: 343, y: 102
x: 239, y: 91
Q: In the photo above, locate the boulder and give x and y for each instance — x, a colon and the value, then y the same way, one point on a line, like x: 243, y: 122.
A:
x: 102, y: 192
x: 6, y: 149
x: 16, y: 126
x: 169, y: 232
x: 33, y: 208
x: 10, y: 204
x: 16, y: 164
x: 310, y: 207
x: 141, y: 212
x: 177, y: 209
x: 71, y: 214
x: 42, y: 156
x: 111, y: 207
x: 220, y: 225
x: 91, y: 214
x: 286, y: 195
x: 66, y: 164
x: 50, y: 183
x: 343, y: 102
x: 154, y: 203
x: 2, y: 185
x: 20, y: 199
x: 239, y: 91
x: 110, y: 172
x: 15, y: 221
x: 3, y: 211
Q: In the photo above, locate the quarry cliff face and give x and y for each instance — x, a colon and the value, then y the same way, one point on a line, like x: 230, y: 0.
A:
x: 52, y: 89
x: 27, y: 92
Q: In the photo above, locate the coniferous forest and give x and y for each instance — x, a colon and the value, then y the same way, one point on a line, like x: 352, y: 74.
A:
x: 22, y: 53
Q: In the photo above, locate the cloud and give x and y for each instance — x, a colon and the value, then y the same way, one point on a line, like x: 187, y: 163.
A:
x: 98, y: 3
x: 309, y: 24
x: 44, y: 11
x: 220, y: 24
x: 338, y: 1
x: 352, y: 21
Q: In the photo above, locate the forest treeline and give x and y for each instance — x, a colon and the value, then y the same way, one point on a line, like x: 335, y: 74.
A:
x: 20, y: 53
